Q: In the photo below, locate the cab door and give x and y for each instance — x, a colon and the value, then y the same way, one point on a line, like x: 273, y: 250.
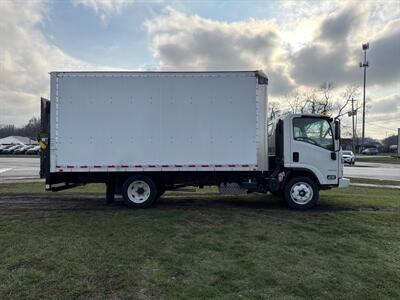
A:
x: 312, y: 147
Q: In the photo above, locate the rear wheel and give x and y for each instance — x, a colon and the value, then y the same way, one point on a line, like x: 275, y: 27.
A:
x: 301, y: 193
x: 139, y: 191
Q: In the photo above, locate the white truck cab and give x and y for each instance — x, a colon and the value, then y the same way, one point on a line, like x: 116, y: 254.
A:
x: 308, y: 147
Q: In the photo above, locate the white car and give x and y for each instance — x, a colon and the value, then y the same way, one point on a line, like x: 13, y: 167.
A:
x: 349, y: 157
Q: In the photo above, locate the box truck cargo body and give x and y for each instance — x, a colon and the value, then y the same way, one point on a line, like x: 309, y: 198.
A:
x: 146, y: 132
x: 158, y: 121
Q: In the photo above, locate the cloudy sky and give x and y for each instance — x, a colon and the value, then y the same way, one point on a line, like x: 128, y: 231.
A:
x: 299, y: 44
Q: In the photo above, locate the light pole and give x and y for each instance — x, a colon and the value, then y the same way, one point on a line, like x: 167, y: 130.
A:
x: 364, y: 65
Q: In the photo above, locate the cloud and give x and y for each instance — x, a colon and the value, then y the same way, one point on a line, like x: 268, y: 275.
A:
x: 384, y: 56
x: 336, y: 28
x: 26, y: 58
x: 334, y: 53
x: 387, y: 105
x: 104, y: 8
x: 331, y: 53
x: 184, y: 42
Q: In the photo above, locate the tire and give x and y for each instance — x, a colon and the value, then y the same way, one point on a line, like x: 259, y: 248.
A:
x: 139, y: 191
x: 301, y: 193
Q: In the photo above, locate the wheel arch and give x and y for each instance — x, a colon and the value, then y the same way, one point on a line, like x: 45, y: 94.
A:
x: 295, y: 172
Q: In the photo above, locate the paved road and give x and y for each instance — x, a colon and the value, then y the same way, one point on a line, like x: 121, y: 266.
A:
x: 373, y: 171
x: 15, y: 168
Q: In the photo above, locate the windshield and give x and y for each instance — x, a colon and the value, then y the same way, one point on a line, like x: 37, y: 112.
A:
x: 315, y: 131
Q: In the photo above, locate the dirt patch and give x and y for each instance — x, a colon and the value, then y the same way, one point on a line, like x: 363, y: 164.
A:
x: 95, y: 202
x: 48, y: 202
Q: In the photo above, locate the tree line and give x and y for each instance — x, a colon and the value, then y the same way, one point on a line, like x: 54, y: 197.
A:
x: 31, y: 129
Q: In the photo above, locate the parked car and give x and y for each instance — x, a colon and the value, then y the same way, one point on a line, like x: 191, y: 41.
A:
x: 33, y: 150
x: 23, y: 149
x: 10, y: 150
x: 370, y: 151
x: 4, y: 147
x: 349, y: 157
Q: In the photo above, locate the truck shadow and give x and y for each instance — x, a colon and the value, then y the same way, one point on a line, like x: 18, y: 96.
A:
x: 96, y: 202
x: 265, y: 203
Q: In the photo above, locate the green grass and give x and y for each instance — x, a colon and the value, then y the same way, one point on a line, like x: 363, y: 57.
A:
x: 245, y: 247
x: 374, y: 181
x: 382, y: 159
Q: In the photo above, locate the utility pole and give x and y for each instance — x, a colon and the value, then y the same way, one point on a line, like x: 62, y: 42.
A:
x: 364, y: 65
x: 354, y: 131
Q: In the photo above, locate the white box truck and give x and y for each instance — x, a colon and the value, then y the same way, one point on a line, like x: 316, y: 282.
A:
x: 143, y: 133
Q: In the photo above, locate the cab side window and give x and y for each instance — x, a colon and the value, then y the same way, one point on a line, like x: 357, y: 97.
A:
x: 315, y: 131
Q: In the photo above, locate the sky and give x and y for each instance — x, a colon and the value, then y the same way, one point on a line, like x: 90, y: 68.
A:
x: 298, y: 44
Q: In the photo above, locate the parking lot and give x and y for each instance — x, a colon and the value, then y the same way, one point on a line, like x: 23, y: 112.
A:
x: 19, y: 168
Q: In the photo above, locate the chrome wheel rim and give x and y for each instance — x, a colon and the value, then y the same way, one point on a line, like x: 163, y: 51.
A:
x: 138, y: 191
x: 301, y: 193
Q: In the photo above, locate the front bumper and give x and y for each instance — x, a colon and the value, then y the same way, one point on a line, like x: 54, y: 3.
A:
x: 343, y: 182
x: 347, y: 159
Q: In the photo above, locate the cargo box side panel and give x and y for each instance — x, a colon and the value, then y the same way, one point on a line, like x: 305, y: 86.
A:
x: 155, y: 122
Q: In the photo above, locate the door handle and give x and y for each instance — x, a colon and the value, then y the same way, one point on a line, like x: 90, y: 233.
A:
x: 333, y: 155
x: 296, y: 156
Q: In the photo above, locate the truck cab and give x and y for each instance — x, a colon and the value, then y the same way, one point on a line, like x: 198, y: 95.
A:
x: 306, y: 150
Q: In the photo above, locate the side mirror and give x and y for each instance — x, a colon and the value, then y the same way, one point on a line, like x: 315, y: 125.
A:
x: 337, y: 130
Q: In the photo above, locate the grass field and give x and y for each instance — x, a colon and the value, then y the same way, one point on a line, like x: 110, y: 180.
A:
x: 248, y: 247
x: 378, y: 159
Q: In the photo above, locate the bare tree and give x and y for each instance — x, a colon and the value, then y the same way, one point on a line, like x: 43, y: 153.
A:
x: 274, y: 110
x: 325, y: 100
x: 346, y: 97
x: 31, y: 129
x: 296, y: 102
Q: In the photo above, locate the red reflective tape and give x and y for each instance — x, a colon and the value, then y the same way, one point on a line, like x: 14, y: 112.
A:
x: 218, y: 166
x: 111, y: 166
x: 84, y: 167
x: 97, y: 166
x: 124, y: 166
x: 70, y: 167
x: 231, y: 166
x: 165, y: 166
x: 245, y: 166
x: 178, y: 166
x: 151, y: 166
x: 204, y: 166
x: 138, y: 166
x: 191, y: 166
x: 58, y: 166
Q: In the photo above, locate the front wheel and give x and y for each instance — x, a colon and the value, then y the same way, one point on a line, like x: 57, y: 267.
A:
x: 139, y: 191
x: 301, y: 193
